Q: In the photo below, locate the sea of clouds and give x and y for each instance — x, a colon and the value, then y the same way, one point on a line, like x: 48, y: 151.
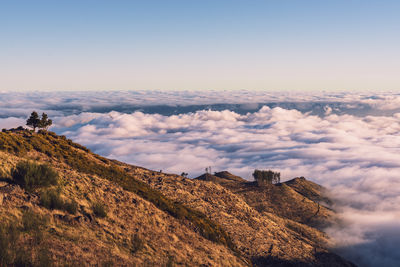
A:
x: 350, y: 143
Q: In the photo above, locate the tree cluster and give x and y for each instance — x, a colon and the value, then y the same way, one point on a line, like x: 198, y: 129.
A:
x: 35, y: 122
x: 263, y: 177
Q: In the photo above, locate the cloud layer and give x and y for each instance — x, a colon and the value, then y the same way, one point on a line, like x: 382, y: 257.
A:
x: 357, y: 157
x: 17, y: 104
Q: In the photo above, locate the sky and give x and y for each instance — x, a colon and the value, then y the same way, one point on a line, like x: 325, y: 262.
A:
x: 196, y: 45
x: 161, y: 50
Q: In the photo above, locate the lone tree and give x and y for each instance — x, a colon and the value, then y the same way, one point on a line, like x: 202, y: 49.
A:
x: 45, y: 122
x: 34, y: 121
x: 263, y: 177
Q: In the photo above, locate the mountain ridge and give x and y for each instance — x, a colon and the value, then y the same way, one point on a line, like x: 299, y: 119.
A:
x: 224, y: 227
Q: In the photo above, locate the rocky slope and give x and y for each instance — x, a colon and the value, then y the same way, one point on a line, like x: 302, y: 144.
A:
x: 153, y: 218
x: 298, y: 199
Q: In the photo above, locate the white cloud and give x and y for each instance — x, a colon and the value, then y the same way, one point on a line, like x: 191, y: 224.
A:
x: 357, y: 157
x: 11, y: 122
x: 18, y: 104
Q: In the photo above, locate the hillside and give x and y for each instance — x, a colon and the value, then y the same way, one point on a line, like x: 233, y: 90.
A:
x: 298, y: 199
x: 151, y: 218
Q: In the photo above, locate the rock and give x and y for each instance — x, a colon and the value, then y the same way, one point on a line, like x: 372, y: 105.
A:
x: 79, y: 219
x: 65, y: 218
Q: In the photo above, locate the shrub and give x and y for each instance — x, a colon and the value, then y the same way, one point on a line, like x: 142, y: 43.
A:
x: 136, y: 243
x: 71, y: 206
x: 99, y: 210
x: 51, y: 199
x: 31, y: 175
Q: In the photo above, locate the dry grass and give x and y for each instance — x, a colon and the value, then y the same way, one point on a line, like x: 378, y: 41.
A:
x: 82, y: 178
x: 189, y: 223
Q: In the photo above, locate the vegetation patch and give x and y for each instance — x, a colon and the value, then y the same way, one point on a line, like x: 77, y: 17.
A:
x: 31, y: 175
x: 33, y: 222
x: 13, y: 248
x: 8, y: 239
x: 99, y: 209
x: 82, y: 160
x: 71, y: 206
x: 51, y: 199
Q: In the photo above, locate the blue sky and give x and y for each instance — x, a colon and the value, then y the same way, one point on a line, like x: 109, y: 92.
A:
x: 175, y: 45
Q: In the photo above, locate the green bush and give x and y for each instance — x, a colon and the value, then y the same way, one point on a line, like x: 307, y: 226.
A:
x: 31, y: 175
x: 99, y: 209
x: 51, y: 199
x: 71, y: 206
